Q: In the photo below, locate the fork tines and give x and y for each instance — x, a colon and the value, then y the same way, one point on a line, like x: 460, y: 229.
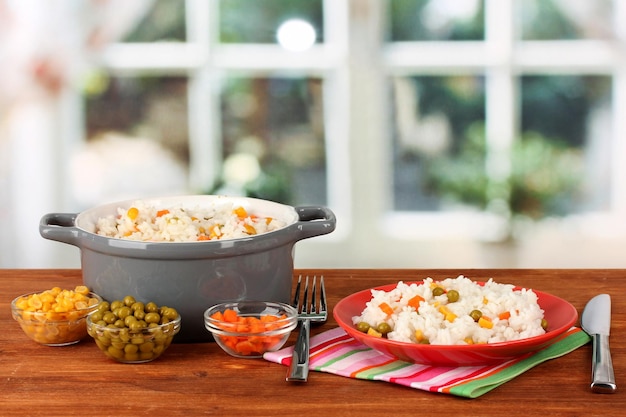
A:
x: 309, y: 305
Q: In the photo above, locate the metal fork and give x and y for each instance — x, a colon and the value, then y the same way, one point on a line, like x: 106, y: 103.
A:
x: 307, y: 313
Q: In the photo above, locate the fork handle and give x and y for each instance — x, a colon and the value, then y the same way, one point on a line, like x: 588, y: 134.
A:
x: 299, y: 368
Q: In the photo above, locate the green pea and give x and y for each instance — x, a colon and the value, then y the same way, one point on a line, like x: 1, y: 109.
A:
x: 146, y: 347
x: 362, y: 326
x: 115, y: 352
x: 453, y: 296
x: 124, y: 335
x: 135, y: 326
x: 151, y: 307
x: 118, y: 344
x: 384, y: 328
x: 138, y: 306
x: 124, y: 312
x: 97, y: 316
x: 115, y: 305
x: 437, y: 291
x: 109, y: 317
x: 152, y: 317
x: 476, y: 315
x: 169, y: 313
x: 104, y: 306
x: 159, y: 349
x: 128, y: 320
x: 103, y: 342
x: 129, y: 300
x: 544, y: 324
x: 137, y: 340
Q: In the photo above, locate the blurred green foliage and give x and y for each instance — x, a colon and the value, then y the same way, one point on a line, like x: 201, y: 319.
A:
x: 545, y: 175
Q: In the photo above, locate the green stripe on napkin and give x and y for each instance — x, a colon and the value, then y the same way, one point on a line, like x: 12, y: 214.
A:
x: 476, y: 388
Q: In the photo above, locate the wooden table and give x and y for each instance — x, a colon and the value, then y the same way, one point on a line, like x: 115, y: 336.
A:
x: 200, y: 379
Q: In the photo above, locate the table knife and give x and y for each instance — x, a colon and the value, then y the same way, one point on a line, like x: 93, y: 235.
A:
x: 596, y: 321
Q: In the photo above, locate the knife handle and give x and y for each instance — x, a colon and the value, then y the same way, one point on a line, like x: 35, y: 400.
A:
x: 603, y: 379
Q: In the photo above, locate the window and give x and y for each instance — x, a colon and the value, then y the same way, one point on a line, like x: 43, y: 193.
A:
x: 476, y: 113
x: 430, y: 127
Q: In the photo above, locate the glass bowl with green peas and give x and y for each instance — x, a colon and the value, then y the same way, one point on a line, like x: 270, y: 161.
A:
x: 130, y: 331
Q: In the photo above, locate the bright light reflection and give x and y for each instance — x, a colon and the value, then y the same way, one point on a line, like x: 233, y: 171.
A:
x: 296, y: 35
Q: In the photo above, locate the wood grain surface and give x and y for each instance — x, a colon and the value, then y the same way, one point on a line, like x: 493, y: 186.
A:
x: 200, y: 379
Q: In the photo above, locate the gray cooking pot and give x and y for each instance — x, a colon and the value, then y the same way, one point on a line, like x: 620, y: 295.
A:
x: 190, y: 276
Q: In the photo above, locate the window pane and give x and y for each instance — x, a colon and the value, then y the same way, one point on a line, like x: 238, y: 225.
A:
x: 273, y: 139
x: 439, y: 151
x: 258, y: 21
x: 164, y: 22
x: 137, y: 139
x: 563, y: 157
x: 565, y: 19
x: 425, y: 20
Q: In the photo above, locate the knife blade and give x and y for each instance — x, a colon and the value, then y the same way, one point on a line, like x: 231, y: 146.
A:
x: 596, y: 322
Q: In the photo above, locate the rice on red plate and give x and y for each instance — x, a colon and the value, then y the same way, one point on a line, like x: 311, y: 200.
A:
x: 181, y: 224
x: 505, y: 314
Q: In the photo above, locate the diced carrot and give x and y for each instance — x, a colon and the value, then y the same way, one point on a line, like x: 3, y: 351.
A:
x: 249, y: 229
x: 504, y: 316
x: 415, y: 302
x: 241, y: 212
x: 162, y: 213
x: 254, y: 343
x: 386, y: 308
x: 203, y: 237
x: 230, y: 316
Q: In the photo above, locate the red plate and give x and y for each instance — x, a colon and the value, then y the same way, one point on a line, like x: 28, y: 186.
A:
x: 560, y: 314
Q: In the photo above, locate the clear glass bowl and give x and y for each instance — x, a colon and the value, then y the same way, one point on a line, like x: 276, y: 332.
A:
x: 53, y: 328
x: 133, y: 346
x: 248, y: 329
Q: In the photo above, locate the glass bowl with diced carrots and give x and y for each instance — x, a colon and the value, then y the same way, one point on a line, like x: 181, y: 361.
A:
x: 55, y: 317
x: 248, y: 329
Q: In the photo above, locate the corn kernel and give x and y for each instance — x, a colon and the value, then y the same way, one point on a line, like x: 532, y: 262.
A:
x: 132, y: 213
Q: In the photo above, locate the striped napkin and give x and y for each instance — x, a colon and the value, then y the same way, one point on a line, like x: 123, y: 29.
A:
x: 335, y: 352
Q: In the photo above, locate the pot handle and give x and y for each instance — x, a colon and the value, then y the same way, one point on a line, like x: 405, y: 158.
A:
x: 315, y: 221
x: 59, y: 226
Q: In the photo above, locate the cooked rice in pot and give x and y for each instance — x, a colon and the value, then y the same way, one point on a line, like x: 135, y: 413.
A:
x: 178, y: 224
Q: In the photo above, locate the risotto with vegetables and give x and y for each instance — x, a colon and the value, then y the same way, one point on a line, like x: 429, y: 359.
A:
x: 454, y: 311
x: 177, y: 224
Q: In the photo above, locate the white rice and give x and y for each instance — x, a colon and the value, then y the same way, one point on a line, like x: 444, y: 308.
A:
x: 492, y: 299
x: 181, y: 224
